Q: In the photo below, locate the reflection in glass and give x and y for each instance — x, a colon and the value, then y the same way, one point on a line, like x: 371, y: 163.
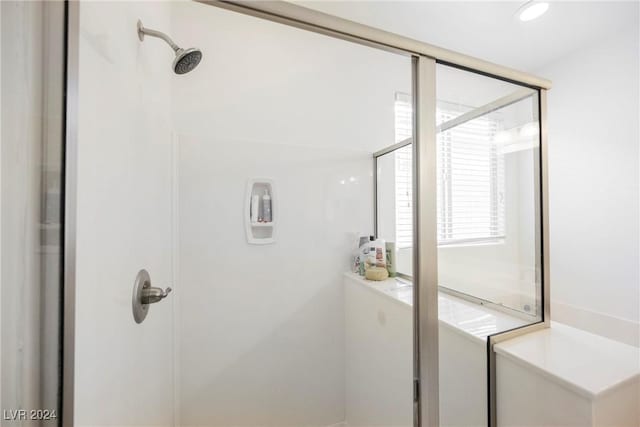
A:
x: 395, y: 204
x: 487, y: 195
x: 487, y: 160
x: 488, y: 228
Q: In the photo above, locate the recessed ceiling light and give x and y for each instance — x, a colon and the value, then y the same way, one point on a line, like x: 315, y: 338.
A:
x: 532, y: 10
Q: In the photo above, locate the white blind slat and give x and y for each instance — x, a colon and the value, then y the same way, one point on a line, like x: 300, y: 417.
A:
x: 470, y: 179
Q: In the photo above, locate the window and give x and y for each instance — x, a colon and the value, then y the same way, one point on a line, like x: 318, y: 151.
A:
x: 404, y: 197
x: 403, y: 163
x: 471, y: 205
x: 403, y: 117
x: 470, y: 181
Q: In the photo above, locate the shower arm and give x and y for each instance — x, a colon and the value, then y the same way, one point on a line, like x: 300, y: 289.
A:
x: 142, y: 31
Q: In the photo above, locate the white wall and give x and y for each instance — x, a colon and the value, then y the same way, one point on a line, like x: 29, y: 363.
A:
x: 262, y: 327
x: 123, y: 370
x: 594, y: 187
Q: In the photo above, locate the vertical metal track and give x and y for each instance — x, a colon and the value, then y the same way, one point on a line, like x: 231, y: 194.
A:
x: 544, y: 200
x: 70, y: 185
x: 375, y: 196
x: 425, y: 253
x: 542, y: 257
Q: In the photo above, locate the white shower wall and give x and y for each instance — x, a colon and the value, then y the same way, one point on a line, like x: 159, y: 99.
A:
x: 261, y: 335
x: 123, y: 371
x: 261, y: 328
x: 162, y: 168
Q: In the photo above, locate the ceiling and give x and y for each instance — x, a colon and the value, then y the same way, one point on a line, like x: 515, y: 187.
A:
x: 490, y: 30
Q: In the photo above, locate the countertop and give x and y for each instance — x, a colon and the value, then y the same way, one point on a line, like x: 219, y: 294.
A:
x: 589, y: 364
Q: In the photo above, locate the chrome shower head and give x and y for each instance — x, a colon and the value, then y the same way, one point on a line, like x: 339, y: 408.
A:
x: 186, y: 59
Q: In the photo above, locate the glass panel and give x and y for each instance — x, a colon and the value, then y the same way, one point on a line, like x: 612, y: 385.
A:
x: 245, y: 185
x: 488, y: 184
x: 488, y: 228
x: 467, y: 90
x: 395, y: 205
x: 32, y: 62
x: 275, y: 328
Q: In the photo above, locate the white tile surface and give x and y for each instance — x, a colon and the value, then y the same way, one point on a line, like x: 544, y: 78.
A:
x: 588, y: 363
x: 379, y: 351
x: 262, y: 327
x: 123, y: 371
x: 476, y: 321
x: 378, y: 358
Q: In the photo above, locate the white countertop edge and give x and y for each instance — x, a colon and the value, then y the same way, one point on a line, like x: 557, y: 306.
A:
x: 590, y: 394
x: 620, y: 384
x: 478, y: 339
x: 371, y: 286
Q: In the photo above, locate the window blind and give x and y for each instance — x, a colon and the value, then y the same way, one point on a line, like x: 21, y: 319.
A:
x: 403, y: 117
x: 470, y: 181
x: 471, y: 205
x: 403, y: 172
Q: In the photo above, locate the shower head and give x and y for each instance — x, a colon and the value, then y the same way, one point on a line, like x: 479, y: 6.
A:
x: 186, y: 59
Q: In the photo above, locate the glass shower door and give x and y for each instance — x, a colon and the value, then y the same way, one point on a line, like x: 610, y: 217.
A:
x: 32, y: 122
x: 276, y: 328
x: 268, y: 322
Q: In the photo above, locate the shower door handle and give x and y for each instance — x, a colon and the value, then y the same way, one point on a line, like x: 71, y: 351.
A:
x: 151, y: 294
